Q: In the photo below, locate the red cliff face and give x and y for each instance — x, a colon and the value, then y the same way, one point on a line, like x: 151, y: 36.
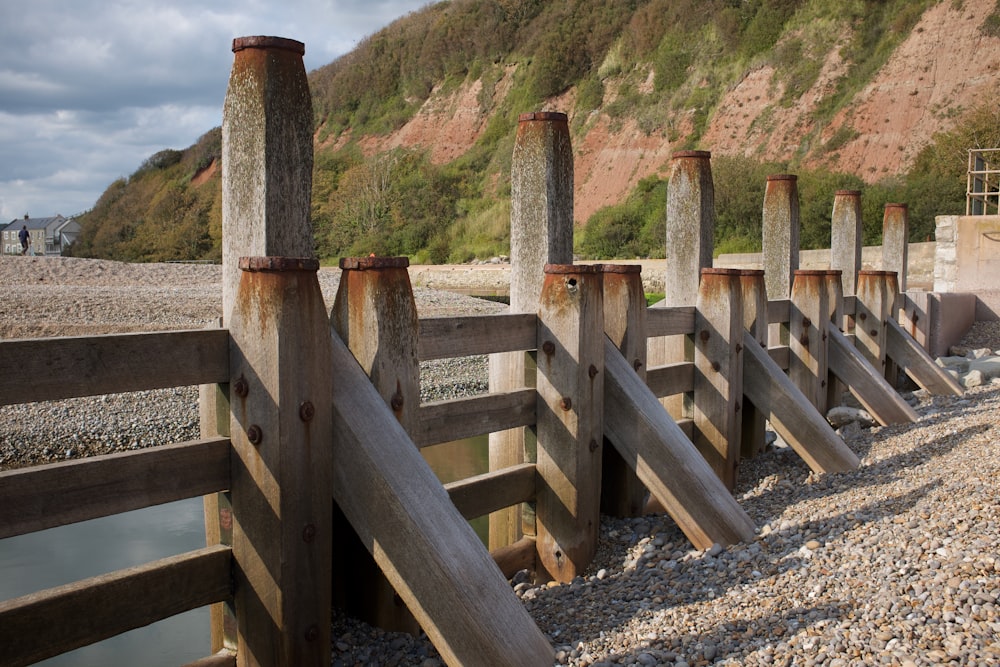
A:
x: 946, y: 65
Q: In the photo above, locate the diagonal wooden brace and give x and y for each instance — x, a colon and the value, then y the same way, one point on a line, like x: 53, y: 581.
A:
x: 919, y: 365
x: 867, y: 384
x: 791, y: 414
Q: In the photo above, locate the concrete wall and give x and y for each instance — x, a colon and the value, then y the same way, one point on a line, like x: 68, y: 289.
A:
x: 919, y: 267
x: 968, y: 260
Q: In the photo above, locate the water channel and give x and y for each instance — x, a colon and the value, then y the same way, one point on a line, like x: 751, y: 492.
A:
x: 58, y: 556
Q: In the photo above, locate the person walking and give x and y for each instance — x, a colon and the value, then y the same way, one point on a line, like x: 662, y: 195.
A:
x: 23, y: 235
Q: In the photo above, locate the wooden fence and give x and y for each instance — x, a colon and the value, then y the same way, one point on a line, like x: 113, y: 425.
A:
x: 301, y: 407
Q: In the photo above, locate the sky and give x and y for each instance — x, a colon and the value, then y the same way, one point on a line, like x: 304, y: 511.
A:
x: 91, y: 88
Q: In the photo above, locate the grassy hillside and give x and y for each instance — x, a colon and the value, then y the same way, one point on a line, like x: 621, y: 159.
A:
x: 661, y: 69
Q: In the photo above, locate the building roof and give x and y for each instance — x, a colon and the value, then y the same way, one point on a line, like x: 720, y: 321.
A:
x: 33, y: 223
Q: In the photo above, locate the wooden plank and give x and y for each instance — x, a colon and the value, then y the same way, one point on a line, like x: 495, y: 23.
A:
x: 669, y: 321
x: 868, y: 385
x: 718, y: 377
x: 449, y: 337
x: 811, y: 310
x: 569, y: 424
x: 666, y: 461
x: 753, y: 438
x: 482, y: 494
x: 49, y: 369
x: 428, y: 551
x: 281, y: 428
x: 93, y: 609
x: 445, y: 421
x: 60, y: 493
x: 622, y: 493
x: 792, y: 415
x: 671, y: 379
x: 919, y: 365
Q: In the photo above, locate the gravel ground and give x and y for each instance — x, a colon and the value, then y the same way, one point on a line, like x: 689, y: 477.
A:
x: 896, y: 563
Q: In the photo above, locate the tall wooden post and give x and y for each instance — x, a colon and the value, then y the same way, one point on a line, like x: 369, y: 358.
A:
x: 754, y: 297
x: 375, y: 315
x: 876, y: 295
x: 622, y: 494
x: 895, y: 241
x: 689, y: 241
x: 282, y: 428
x: 541, y: 232
x: 570, y: 419
x: 280, y: 354
x: 811, y: 310
x: 718, y: 377
x: 267, y: 157
x: 780, y: 230
x: 845, y: 237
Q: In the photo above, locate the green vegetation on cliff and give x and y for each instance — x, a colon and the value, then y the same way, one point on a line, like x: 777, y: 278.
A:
x: 524, y: 53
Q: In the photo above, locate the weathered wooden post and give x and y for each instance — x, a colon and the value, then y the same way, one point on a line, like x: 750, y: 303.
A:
x: 876, y: 295
x: 895, y: 241
x: 718, y: 377
x: 754, y: 297
x: 780, y: 240
x: 807, y: 328
x: 280, y: 352
x: 689, y: 242
x: 281, y: 467
x: 570, y: 419
x: 541, y: 232
x: 845, y: 237
x: 622, y: 494
x: 375, y: 315
x: 835, y: 293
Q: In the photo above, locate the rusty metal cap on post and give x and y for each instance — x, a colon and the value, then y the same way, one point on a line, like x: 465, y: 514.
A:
x: 894, y: 205
x: 266, y: 42
x: 712, y: 271
x: 782, y: 177
x: 876, y: 274
x: 557, y: 269
x: 809, y: 272
x: 278, y: 264
x: 543, y: 115
x: 847, y: 193
x: 621, y: 268
x: 373, y: 263
x: 694, y: 154
x: 751, y: 273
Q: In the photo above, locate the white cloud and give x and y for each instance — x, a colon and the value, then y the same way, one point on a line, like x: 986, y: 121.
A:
x: 89, y: 89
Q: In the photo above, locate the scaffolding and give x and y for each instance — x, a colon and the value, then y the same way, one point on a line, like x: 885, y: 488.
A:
x: 982, y: 192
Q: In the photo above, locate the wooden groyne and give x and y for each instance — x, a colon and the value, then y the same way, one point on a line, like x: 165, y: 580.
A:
x: 312, y: 422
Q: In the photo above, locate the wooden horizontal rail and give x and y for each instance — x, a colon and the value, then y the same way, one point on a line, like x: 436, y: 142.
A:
x: 449, y: 337
x: 492, y: 491
x: 669, y: 321
x: 778, y: 311
x: 780, y: 355
x: 670, y: 379
x: 60, y: 493
x: 515, y: 557
x: 93, y: 609
x: 445, y: 421
x: 48, y: 369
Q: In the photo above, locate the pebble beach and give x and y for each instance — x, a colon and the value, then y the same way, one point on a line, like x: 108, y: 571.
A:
x: 895, y: 563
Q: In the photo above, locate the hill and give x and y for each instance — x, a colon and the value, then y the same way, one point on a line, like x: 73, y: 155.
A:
x: 881, y: 95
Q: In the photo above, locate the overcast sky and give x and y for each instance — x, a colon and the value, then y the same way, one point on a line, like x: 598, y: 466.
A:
x: 90, y: 88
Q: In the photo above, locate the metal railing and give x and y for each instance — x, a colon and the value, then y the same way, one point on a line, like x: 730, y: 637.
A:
x: 982, y: 196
